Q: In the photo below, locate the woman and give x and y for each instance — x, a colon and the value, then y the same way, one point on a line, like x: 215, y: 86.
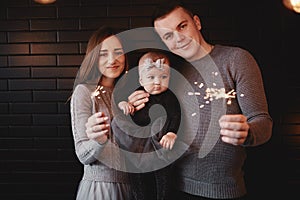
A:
x: 91, y: 114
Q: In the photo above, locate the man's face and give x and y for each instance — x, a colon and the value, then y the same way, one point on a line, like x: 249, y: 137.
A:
x: 181, y: 33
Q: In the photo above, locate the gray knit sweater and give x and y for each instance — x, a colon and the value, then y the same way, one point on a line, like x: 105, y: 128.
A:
x: 98, y: 159
x: 218, y: 173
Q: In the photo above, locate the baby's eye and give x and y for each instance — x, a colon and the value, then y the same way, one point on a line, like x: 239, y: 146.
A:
x: 150, y: 77
x: 164, y: 76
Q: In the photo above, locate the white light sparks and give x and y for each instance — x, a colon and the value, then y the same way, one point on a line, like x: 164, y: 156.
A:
x: 201, y: 85
x: 213, y: 93
x: 97, y: 92
x: 194, y: 93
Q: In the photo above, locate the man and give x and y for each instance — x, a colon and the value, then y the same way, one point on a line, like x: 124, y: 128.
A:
x: 219, y: 173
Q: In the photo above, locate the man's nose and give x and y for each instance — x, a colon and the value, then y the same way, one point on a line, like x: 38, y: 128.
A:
x: 178, y: 36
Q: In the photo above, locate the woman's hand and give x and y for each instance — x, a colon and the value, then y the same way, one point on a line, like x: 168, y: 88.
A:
x: 138, y: 99
x: 234, y: 129
x: 97, y: 128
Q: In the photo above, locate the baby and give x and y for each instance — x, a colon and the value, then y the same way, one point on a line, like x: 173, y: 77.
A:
x: 154, y: 76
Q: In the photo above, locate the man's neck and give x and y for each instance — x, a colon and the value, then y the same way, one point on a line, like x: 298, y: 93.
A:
x: 205, y: 49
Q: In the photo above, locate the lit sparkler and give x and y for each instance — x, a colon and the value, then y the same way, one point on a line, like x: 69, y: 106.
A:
x: 213, y: 93
x: 97, y: 91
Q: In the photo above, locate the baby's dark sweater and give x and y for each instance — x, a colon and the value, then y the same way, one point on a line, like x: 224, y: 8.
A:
x: 146, y: 120
x: 170, y: 104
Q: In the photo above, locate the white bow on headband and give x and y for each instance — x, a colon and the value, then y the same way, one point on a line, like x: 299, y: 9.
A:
x: 148, y: 63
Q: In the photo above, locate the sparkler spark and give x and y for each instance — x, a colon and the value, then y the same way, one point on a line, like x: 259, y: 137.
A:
x: 97, y: 91
x: 213, y: 93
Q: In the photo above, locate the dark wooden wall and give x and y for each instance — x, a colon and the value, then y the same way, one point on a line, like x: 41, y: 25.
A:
x: 42, y: 46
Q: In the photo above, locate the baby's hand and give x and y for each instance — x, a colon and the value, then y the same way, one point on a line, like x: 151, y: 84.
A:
x: 168, y: 140
x: 126, y: 107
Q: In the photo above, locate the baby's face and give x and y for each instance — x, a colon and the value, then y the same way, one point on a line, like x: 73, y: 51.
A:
x: 154, y: 80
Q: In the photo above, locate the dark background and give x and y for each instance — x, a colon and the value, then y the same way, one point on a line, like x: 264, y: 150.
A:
x: 41, y: 49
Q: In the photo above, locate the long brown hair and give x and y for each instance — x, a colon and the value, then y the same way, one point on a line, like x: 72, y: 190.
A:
x: 88, y: 72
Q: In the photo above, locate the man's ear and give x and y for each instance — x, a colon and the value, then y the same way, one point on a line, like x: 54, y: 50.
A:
x: 197, y: 22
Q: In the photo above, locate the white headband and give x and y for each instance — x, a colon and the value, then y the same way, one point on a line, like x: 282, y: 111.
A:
x: 148, y: 63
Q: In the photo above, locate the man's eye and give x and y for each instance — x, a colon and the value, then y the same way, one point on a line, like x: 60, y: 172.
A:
x: 182, y: 26
x: 168, y: 36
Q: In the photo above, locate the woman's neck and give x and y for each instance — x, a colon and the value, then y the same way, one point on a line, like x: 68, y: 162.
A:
x: 107, y: 82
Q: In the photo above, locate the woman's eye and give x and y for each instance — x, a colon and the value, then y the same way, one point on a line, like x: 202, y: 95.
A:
x: 103, y: 54
x: 119, y: 53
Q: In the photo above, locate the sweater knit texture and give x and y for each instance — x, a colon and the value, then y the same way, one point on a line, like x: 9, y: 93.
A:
x: 98, y: 160
x: 219, y: 173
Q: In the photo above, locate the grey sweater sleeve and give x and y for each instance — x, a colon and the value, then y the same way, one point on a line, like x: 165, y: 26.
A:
x: 253, y: 102
x: 87, y: 150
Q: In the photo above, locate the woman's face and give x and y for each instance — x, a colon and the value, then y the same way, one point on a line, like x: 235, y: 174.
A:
x: 111, y: 58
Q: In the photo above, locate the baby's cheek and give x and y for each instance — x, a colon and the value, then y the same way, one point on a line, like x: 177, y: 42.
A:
x: 164, y: 88
x: 148, y: 88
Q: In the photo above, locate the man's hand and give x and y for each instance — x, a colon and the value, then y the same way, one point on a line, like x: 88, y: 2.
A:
x: 234, y: 129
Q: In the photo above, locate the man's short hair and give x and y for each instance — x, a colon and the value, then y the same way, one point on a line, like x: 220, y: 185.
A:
x: 167, y: 6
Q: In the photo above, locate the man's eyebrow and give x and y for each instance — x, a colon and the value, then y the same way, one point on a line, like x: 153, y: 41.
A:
x: 182, y: 22
x: 177, y: 27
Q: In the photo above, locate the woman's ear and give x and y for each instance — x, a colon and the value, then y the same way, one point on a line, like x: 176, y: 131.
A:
x: 197, y: 22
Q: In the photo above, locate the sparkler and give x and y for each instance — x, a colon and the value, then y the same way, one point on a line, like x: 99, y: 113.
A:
x: 96, y: 94
x: 97, y: 91
x: 213, y: 93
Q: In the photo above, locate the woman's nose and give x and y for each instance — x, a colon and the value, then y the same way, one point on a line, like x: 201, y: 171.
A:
x: 111, y: 58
